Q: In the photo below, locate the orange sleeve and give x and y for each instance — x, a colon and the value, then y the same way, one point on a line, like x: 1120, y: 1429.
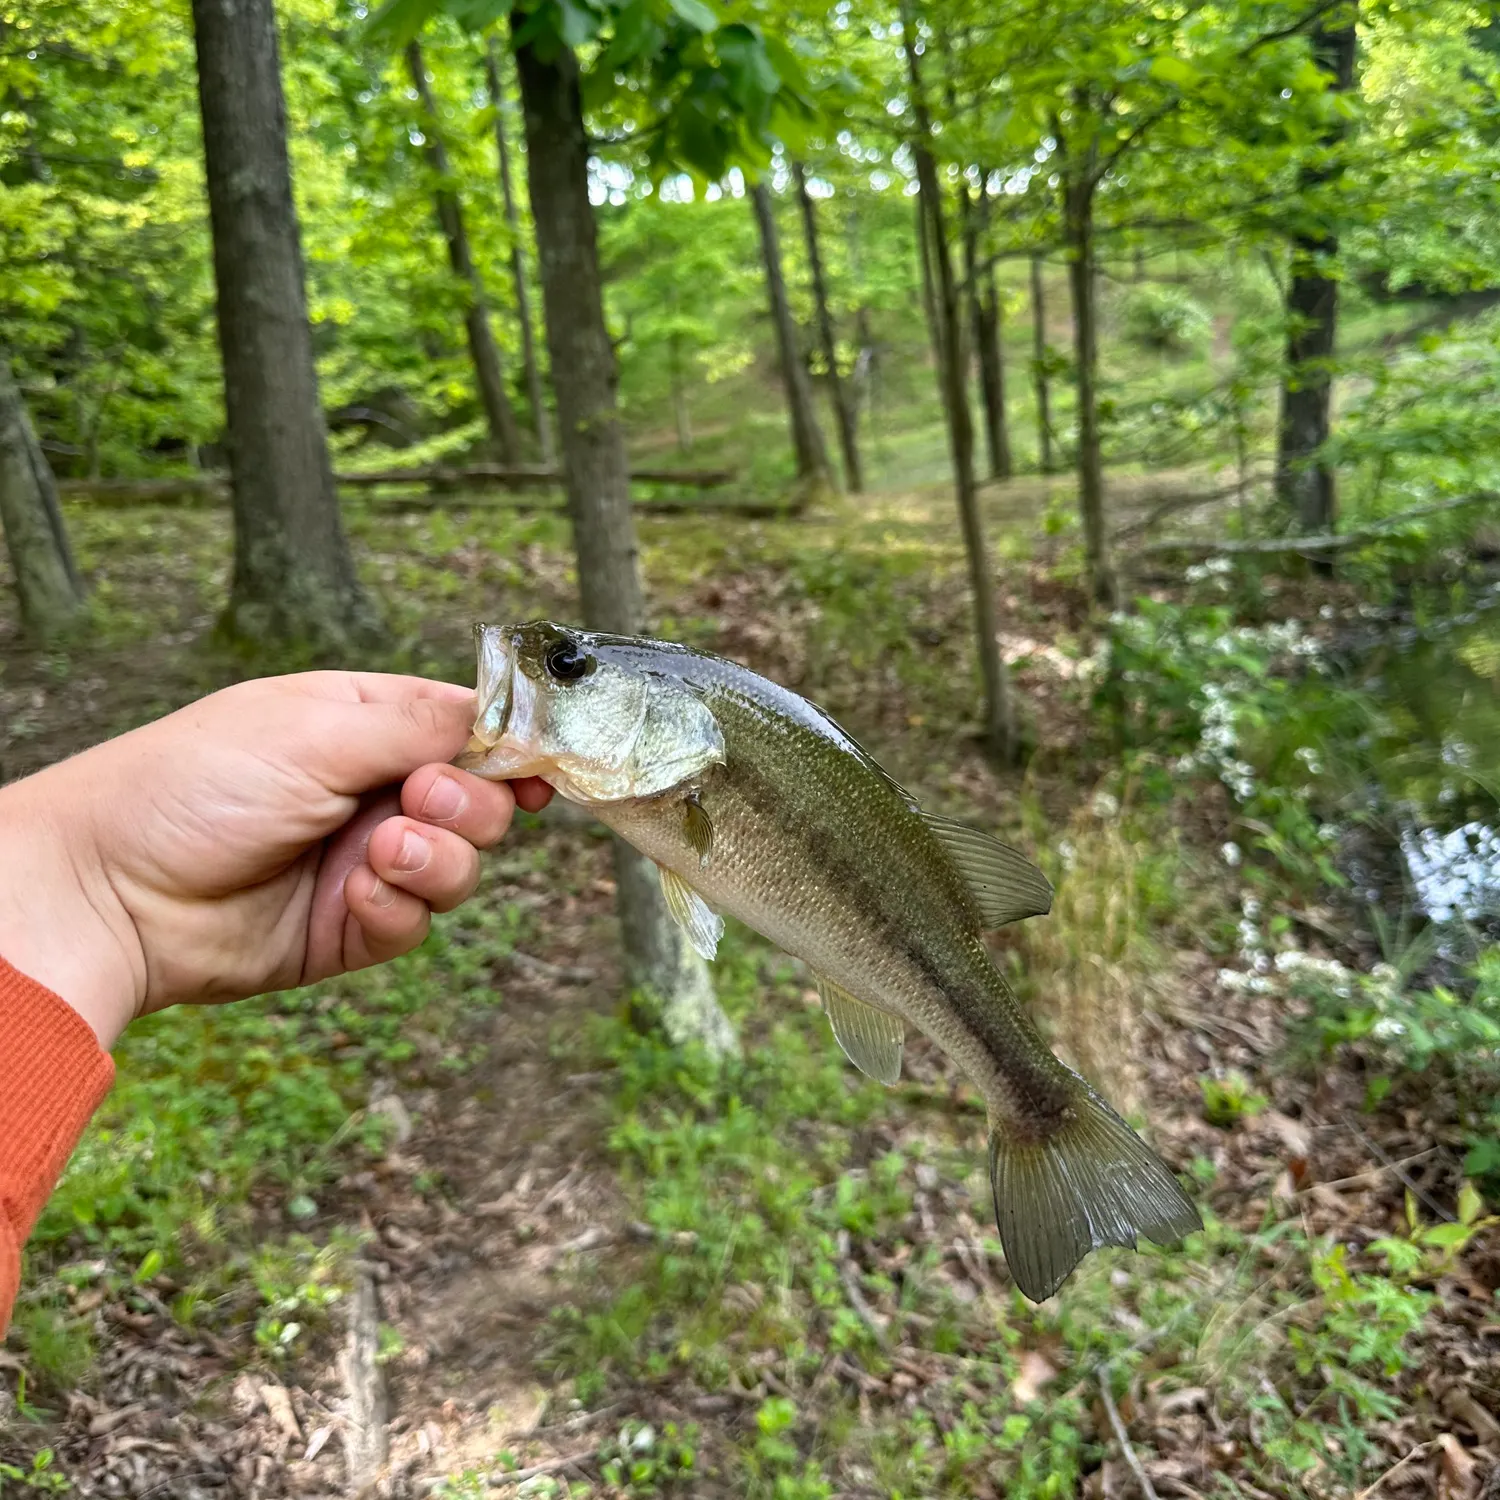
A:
x: 53, y: 1076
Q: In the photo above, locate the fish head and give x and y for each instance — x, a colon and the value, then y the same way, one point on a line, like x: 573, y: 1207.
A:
x: 593, y: 715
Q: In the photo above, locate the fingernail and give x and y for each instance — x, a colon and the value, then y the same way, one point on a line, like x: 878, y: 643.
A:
x: 445, y: 799
x: 414, y: 852
x: 382, y: 894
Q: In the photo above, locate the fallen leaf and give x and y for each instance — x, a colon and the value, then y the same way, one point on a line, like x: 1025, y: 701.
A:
x: 1034, y: 1375
x: 1459, y: 1478
x: 279, y: 1404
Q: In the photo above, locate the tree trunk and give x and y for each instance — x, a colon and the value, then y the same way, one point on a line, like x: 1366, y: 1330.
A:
x: 1078, y: 216
x: 535, y: 391
x: 988, y: 322
x: 1304, y: 481
x: 450, y: 216
x: 984, y: 314
x: 1039, y: 368
x: 294, y: 578
x: 843, y: 402
x: 929, y: 296
x: 999, y: 715
x: 807, y: 436
x: 48, y: 585
x: 658, y: 957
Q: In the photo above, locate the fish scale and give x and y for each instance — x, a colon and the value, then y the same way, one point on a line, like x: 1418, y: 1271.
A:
x: 754, y: 801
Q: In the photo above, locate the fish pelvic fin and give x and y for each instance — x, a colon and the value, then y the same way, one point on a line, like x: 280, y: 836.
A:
x: 1089, y: 1183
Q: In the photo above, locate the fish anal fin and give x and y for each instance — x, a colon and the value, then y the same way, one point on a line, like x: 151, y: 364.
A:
x: 1092, y: 1182
x: 872, y: 1039
x: 1006, y: 885
x: 704, y: 926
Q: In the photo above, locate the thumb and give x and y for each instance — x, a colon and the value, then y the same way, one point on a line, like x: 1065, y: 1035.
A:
x: 367, y: 745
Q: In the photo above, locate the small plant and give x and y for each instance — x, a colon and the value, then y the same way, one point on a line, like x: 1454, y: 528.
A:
x: 1165, y: 318
x: 39, y: 1475
x: 1230, y: 1099
x: 1431, y: 1250
x: 642, y: 1461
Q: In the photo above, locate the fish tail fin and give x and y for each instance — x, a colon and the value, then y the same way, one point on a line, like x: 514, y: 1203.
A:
x: 1090, y: 1182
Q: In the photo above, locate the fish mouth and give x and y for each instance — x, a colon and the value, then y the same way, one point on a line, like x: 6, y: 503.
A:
x: 493, y: 698
x: 494, y: 691
x: 493, y: 752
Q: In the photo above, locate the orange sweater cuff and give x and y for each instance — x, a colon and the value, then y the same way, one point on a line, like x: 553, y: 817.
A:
x: 53, y: 1076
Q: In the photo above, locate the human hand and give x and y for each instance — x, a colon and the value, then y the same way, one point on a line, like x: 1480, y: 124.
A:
x: 255, y: 840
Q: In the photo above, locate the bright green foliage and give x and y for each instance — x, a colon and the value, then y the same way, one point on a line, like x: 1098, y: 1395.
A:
x: 693, y: 91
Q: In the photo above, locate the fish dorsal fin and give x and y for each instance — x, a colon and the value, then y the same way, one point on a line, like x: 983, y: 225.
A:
x: 872, y: 1039
x: 704, y: 927
x: 1005, y: 883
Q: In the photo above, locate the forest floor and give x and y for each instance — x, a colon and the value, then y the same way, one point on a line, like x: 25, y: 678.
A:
x: 602, y: 1267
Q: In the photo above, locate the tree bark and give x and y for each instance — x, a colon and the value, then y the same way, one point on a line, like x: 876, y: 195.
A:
x: 535, y: 391
x: 1304, y: 481
x: 999, y: 714
x: 1078, y: 225
x: 450, y: 216
x: 48, y: 584
x: 294, y: 579
x: 807, y: 436
x: 984, y: 314
x: 658, y: 957
x: 1039, y: 374
x: 843, y: 401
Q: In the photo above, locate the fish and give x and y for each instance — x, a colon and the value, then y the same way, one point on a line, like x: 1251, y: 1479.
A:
x: 755, y: 804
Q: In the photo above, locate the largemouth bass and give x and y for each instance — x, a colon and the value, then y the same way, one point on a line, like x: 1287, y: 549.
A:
x: 754, y: 802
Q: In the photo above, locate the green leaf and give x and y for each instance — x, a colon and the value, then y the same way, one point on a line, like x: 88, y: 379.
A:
x: 578, y: 24
x: 1470, y: 1204
x: 398, y: 21
x: 742, y: 53
x: 1173, y: 70
x: 696, y: 13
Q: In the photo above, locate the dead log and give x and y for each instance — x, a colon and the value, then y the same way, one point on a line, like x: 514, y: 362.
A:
x: 209, y: 488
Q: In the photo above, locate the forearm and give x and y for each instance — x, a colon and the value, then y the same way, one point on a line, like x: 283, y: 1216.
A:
x: 53, y: 1076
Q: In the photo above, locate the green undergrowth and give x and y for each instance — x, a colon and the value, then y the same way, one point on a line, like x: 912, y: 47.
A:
x: 781, y: 1196
x: 206, y: 1178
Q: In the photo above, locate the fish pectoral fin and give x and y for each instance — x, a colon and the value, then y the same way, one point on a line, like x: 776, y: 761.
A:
x: 703, y: 925
x: 872, y: 1039
x: 1006, y: 884
x: 1090, y: 1182
x: 698, y: 828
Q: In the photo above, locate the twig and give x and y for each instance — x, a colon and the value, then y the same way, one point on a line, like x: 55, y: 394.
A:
x: 1122, y: 1437
x: 1395, y: 1166
x: 849, y: 1275
x: 1391, y: 1472
x: 578, y: 1422
x: 551, y: 1466
x: 1380, y: 1171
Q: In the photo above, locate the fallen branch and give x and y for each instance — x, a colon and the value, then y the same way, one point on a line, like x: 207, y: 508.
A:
x: 1340, y: 542
x: 367, y: 1441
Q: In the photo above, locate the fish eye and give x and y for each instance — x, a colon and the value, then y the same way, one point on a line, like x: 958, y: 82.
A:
x: 565, y: 662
